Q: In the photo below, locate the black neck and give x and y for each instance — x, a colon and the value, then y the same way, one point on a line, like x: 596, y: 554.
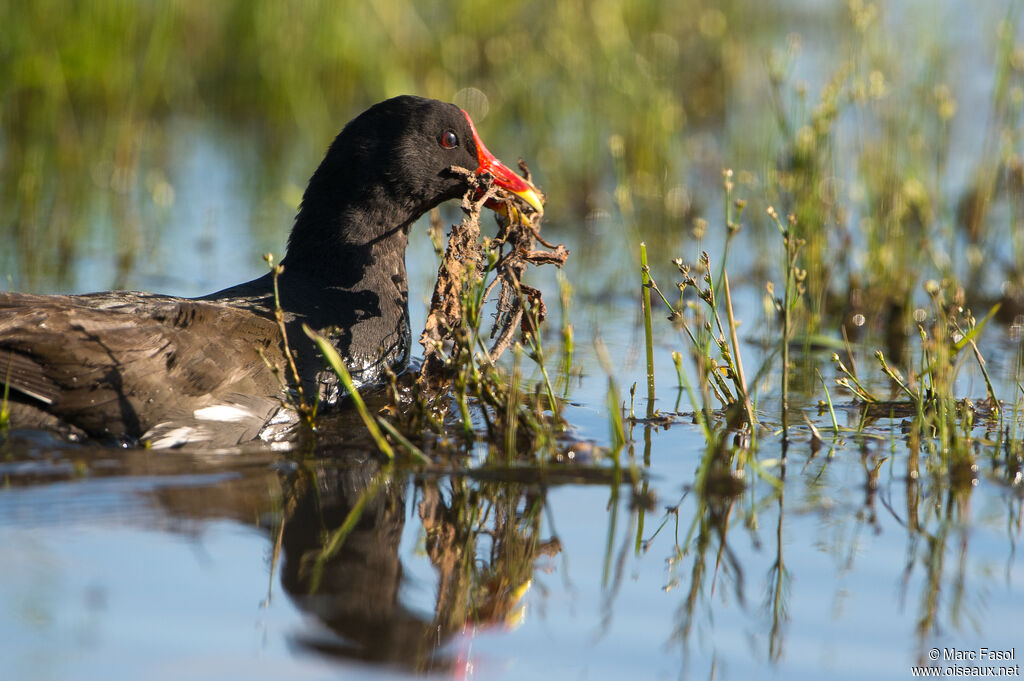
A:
x: 339, y: 252
x: 344, y: 275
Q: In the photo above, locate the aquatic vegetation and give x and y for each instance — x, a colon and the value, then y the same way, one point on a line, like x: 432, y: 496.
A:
x: 824, y: 440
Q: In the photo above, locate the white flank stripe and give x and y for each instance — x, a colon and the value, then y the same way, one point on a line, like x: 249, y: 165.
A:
x: 222, y: 412
x: 173, y: 438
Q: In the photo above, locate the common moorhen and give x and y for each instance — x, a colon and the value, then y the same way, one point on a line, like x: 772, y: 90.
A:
x: 169, y: 371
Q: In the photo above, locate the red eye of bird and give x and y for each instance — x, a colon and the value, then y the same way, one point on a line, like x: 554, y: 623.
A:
x: 448, y: 139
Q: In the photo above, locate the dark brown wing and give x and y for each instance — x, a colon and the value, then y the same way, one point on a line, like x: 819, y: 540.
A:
x: 119, y: 364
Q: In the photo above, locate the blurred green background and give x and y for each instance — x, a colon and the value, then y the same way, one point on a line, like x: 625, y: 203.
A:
x: 877, y: 126
x: 89, y: 90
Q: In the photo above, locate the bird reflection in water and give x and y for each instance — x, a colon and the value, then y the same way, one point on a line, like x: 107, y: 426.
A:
x: 343, y: 526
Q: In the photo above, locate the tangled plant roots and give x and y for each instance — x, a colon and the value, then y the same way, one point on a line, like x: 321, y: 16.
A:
x: 469, y: 262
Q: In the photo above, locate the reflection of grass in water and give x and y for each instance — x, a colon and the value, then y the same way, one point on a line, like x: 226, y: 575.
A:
x: 940, y: 427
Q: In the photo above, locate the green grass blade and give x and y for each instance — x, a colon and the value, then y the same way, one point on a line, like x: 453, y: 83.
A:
x: 336, y: 363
